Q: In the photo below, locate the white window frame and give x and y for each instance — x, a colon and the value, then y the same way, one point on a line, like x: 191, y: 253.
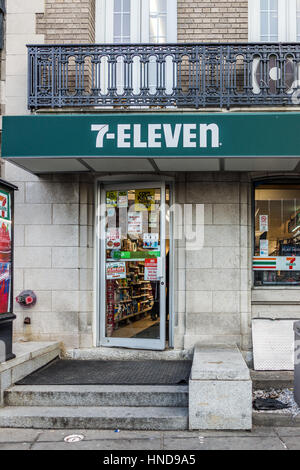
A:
x: 139, y: 25
x: 287, y: 21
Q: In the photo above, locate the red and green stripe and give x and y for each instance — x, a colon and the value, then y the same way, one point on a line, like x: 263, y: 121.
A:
x: 264, y: 263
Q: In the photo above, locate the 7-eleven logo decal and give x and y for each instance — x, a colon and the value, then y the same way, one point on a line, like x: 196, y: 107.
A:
x: 280, y: 263
x: 291, y: 263
x: 264, y: 263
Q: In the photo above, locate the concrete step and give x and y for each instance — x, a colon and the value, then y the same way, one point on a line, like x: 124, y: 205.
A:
x: 275, y: 419
x: 97, y: 395
x: 123, y: 418
x: 266, y: 380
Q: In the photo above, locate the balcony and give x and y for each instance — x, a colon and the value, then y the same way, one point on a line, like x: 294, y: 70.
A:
x: 164, y: 76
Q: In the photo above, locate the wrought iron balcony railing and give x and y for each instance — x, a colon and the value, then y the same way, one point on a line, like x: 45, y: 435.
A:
x: 164, y: 75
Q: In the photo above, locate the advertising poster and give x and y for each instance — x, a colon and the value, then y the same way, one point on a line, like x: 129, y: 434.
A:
x: 263, y: 223
x: 5, y: 252
x: 150, y: 241
x: 153, y: 220
x: 111, y: 199
x: 115, y: 271
x: 113, y: 239
x: 151, y: 270
x: 5, y: 285
x: 135, y: 223
x: 264, y: 247
x: 4, y: 205
x: 122, y: 199
x: 144, y: 199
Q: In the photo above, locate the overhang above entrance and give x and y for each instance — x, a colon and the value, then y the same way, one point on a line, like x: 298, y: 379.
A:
x: 153, y: 142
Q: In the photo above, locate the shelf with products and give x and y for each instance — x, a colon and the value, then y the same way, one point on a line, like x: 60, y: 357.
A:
x: 134, y: 314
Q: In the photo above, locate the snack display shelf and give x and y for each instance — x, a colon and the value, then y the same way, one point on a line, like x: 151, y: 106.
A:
x: 134, y: 314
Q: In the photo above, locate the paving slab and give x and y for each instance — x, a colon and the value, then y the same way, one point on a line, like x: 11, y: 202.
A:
x: 224, y: 443
x: 286, y: 432
x: 15, y: 446
x: 255, y: 432
x: 122, y: 444
x: 18, y: 435
x: 292, y: 443
x: 91, y: 435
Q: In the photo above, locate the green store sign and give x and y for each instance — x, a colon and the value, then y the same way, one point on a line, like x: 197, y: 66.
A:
x: 152, y: 135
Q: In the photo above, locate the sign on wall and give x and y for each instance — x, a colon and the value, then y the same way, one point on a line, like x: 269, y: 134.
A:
x: 279, y: 263
x: 152, y: 135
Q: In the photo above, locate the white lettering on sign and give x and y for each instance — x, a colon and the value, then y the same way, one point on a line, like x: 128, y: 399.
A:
x: 130, y: 135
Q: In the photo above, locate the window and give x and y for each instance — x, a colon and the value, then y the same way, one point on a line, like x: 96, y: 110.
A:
x: 274, y: 20
x: 136, y: 21
x: 121, y: 21
x: 158, y: 21
x: 277, y: 235
x: 298, y: 20
x: 269, y: 20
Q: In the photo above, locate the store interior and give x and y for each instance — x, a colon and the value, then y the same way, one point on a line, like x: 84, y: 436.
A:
x: 133, y: 261
x: 279, y: 233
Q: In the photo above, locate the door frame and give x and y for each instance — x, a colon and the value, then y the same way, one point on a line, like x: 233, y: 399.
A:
x: 100, y: 264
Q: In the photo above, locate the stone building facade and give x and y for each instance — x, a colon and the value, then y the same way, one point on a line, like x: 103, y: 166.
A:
x: 55, y: 252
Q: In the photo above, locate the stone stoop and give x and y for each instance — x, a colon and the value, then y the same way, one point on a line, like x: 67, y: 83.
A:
x: 220, y: 390
x: 159, y: 408
x: 30, y: 356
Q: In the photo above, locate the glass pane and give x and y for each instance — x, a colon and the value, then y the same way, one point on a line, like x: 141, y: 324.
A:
x: 158, y: 6
x: 117, y: 25
x: 264, y: 24
x: 118, y: 6
x: 133, y: 253
x: 126, y: 6
x: 122, y: 21
x: 269, y: 20
x: 153, y: 29
x: 274, y: 5
x: 162, y: 26
x: 273, y: 24
x: 126, y: 25
x: 277, y: 235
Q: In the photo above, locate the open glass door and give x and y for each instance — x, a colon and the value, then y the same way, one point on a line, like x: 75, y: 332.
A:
x: 133, y: 266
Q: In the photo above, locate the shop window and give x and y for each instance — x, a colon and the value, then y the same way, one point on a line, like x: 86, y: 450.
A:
x: 277, y: 235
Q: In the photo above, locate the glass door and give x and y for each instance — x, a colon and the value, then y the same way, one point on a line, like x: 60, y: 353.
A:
x: 133, y: 266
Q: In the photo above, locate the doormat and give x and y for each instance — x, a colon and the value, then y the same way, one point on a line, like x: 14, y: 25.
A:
x: 70, y: 372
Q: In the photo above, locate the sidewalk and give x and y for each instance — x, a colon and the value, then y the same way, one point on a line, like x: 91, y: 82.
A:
x: 259, y: 439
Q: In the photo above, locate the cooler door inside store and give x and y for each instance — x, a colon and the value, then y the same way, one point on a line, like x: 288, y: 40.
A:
x: 134, y: 286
